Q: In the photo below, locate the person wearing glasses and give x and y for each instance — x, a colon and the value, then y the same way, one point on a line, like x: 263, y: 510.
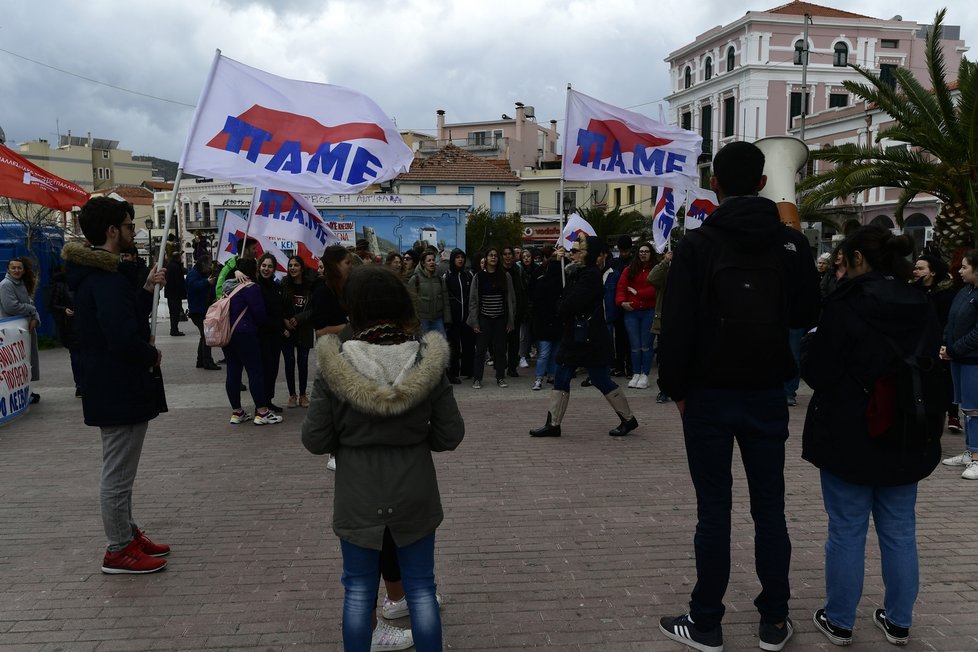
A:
x: 118, y: 391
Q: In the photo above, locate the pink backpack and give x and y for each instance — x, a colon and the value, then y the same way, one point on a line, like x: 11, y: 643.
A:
x: 217, y: 322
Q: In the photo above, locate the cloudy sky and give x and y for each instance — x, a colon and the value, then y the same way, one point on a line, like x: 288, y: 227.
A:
x: 473, y: 58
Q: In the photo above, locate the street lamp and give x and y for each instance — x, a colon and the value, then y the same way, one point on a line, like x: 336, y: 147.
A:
x: 149, y: 240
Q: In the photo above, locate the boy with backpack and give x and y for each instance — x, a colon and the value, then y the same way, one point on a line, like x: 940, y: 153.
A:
x: 735, y: 287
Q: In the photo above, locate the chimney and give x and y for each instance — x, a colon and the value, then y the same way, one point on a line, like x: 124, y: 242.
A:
x: 548, y: 155
x: 520, y: 120
x: 90, y: 142
x: 440, y: 122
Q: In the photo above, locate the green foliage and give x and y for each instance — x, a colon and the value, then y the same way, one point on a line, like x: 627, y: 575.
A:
x: 484, y: 230
x: 613, y: 224
x: 941, y: 157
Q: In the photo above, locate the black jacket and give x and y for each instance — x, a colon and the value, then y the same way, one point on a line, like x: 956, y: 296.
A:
x: 842, y: 360
x: 273, y: 325
x: 458, y: 282
x: 752, y: 223
x: 545, y: 289
x: 961, y: 330
x: 584, y: 296
x: 112, y: 327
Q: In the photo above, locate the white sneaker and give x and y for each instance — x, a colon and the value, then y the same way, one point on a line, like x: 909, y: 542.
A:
x: 394, y: 609
x: 643, y: 382
x: 267, y: 418
x: 634, y: 381
x: 537, y: 385
x: 523, y: 363
x: 964, y: 459
x: 971, y: 473
x: 388, y: 637
x: 331, y: 463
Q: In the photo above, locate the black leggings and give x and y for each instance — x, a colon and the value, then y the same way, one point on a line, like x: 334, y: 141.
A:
x: 493, y: 331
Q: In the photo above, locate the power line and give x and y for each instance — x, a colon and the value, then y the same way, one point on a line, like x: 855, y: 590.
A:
x: 96, y: 81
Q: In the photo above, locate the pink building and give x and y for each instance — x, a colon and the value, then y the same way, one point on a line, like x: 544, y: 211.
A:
x: 743, y: 81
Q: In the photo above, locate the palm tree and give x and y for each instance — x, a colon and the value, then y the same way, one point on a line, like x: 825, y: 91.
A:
x: 614, y: 223
x: 941, y: 131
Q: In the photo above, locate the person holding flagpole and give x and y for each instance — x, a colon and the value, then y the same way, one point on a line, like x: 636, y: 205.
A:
x: 585, y: 342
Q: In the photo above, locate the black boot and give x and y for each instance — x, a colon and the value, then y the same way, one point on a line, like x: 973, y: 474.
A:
x: 625, y: 427
x: 616, y: 398
x: 548, y: 429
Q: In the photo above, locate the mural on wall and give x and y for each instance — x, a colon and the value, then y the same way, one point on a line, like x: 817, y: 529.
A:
x: 444, y: 229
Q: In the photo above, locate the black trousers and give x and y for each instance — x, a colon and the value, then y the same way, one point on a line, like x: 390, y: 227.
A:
x: 176, y: 309
x: 461, y: 346
x: 493, y: 334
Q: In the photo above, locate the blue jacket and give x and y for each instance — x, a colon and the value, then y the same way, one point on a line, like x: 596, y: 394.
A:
x: 112, y: 326
x: 961, y: 331
x: 198, y: 292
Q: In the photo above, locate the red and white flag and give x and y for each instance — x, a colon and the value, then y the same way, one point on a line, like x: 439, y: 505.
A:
x: 254, y: 127
x: 607, y: 143
x: 21, y: 179
x: 701, y: 205
x: 233, y: 230
x: 664, y: 217
x: 576, y: 229
x: 281, y: 215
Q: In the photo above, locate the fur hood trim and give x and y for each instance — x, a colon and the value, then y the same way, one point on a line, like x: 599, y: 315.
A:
x: 361, y: 373
x: 86, y: 256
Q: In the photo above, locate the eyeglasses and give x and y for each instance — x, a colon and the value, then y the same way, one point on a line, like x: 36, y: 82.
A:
x: 128, y: 225
x: 575, y: 251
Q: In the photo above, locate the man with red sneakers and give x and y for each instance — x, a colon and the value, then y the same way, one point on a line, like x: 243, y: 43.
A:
x: 116, y: 354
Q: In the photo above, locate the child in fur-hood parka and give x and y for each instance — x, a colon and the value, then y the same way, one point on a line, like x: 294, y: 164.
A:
x: 382, y: 404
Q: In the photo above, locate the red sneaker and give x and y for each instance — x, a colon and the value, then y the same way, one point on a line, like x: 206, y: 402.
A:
x: 150, y: 548
x: 131, y: 559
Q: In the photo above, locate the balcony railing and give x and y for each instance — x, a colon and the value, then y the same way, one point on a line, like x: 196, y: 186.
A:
x: 474, y: 144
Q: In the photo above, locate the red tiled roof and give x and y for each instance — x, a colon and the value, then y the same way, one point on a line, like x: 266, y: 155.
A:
x: 799, y: 8
x: 136, y: 195
x: 452, y: 163
x: 158, y: 186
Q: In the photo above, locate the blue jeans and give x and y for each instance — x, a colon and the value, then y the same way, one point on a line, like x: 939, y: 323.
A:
x: 294, y: 354
x: 965, y: 378
x: 361, y: 578
x: 599, y: 378
x: 758, y: 421
x: 546, y: 358
x: 428, y: 325
x: 848, y: 506
x: 638, y: 325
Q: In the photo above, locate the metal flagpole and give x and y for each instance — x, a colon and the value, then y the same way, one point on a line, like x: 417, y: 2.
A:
x: 560, y: 201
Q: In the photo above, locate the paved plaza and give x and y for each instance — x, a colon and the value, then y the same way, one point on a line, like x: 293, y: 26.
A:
x: 577, y: 543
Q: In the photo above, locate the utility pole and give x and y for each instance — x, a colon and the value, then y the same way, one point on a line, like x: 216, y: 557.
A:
x: 804, y: 77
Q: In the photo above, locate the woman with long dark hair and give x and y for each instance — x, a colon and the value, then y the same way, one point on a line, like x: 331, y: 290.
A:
x: 271, y: 332
x: 492, y: 308
x: 328, y: 312
x: 636, y: 297
x: 243, y: 352
x: 869, y: 325
x: 17, y: 300
x: 297, y: 289
x: 961, y: 348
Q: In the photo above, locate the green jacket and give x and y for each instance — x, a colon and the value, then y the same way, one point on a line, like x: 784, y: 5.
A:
x: 432, y: 296
x: 382, y: 410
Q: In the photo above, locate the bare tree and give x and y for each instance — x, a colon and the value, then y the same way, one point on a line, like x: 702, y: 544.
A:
x: 33, y: 217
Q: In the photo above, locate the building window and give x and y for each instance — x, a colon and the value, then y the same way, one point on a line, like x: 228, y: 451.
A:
x: 466, y: 190
x: 497, y: 136
x: 841, y: 57
x: 799, y: 52
x: 529, y: 203
x: 105, y: 153
x: 706, y: 128
x: 631, y: 194
x: 98, y: 173
x: 205, y: 210
x: 729, y: 116
x: 687, y: 121
x: 730, y: 58
x: 688, y: 77
x: 617, y: 197
x: 796, y: 108
x: 569, y: 205
x: 889, y: 43
x: 428, y: 190
x: 497, y: 202
x: 838, y: 100
x: 477, y: 138
x: 708, y: 69
x: 886, y: 74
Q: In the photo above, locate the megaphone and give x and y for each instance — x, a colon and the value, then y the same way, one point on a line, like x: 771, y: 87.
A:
x: 784, y: 157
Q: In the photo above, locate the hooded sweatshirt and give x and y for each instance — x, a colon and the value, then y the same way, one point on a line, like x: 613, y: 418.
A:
x: 752, y: 224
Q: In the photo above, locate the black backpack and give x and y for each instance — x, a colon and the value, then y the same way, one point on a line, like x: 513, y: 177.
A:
x: 745, y: 302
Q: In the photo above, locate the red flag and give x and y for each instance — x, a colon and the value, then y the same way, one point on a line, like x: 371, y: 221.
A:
x: 21, y: 179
